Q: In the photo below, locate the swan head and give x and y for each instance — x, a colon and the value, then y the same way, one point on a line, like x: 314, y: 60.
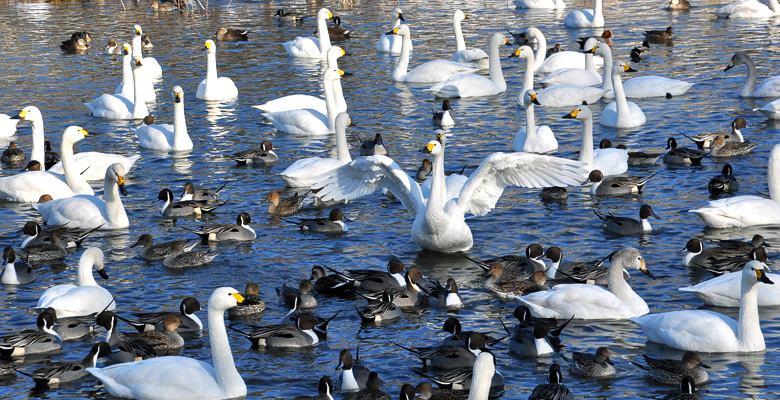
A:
x: 333, y: 54
x: 620, y: 67
x: 631, y: 258
x: 533, y: 32
x: 126, y: 49
x: 137, y: 31
x: 525, y: 52
x: 434, y: 147
x: 324, y: 14
x: 73, y: 134
x: 343, y: 121
x: 116, y: 173
x: 137, y: 64
x: 210, y: 47
x: 224, y: 298
x: 756, y: 271
x: 332, y: 74
x: 739, y: 57
x: 397, y: 13
x: 499, y: 39
x: 582, y: 113
x: 95, y: 255
x: 29, y: 113
x: 530, y: 97
x: 459, y: 16
x: 590, y: 45
x: 401, y: 30
x: 178, y: 94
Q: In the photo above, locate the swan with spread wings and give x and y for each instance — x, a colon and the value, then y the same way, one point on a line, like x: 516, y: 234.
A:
x: 439, y: 224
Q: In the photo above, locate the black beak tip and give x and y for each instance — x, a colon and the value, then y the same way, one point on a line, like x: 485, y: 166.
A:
x: 103, y: 274
x: 122, y: 190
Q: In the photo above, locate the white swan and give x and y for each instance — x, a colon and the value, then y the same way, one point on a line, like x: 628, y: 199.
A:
x: 586, y: 18
x: 151, y: 68
x: 724, y: 291
x: 744, y: 211
x: 621, y: 113
x: 530, y: 138
x: 308, y: 121
x: 309, y: 47
x: 770, y: 87
x: 709, y: 332
x: 554, y: 96
x: 584, y: 301
x: 306, y: 171
x: 475, y: 57
x: 71, y: 170
x: 608, y: 161
x: 84, y: 211
x: 86, y: 298
x: 431, y: 71
x: 639, y: 87
x: 114, y: 106
x: 390, y: 43
x: 175, y: 377
x: 8, y: 125
x: 561, y: 59
x: 471, y: 85
x: 748, y: 9
x: 215, y: 87
x: 167, y: 137
x: 577, y: 76
x: 771, y: 109
x: 126, y: 88
x: 440, y: 225
x: 33, y: 114
x: 539, y: 3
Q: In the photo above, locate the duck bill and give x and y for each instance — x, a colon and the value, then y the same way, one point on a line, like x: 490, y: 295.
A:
x: 703, y: 365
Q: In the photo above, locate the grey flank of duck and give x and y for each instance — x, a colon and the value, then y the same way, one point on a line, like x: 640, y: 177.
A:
x: 687, y: 391
x: 191, y: 193
x: 593, y: 272
x: 682, y: 156
x: 252, y: 306
x: 71, y: 237
x: 167, y: 340
x: 71, y: 328
x: 450, y: 357
x: 516, y: 267
x: 353, y: 375
x: 382, y: 309
x: 368, y: 280
x: 616, y: 185
x: 553, y: 389
x: 723, y: 183
x: 184, y: 208
x: 264, y: 155
x: 407, y: 298
x: 446, y: 297
x: 373, y: 390
x: 123, y: 349
x: 334, y: 285
x: 458, y: 337
x: 596, y: 365
x: 375, y: 146
x: 509, y: 289
x: 231, y: 35
x: 625, y: 226
x: 13, y: 156
x: 705, y: 140
x: 179, y: 259
x: 532, y: 337
x: 154, y: 320
x: 670, y: 371
x: 284, y: 207
x: 62, y: 372
x: 722, y: 148
x: 755, y: 242
x: 332, y: 225
x: 282, y: 335
x: 15, y: 272
x: 444, y: 117
x: 301, y: 294
x: 158, y: 251
x: 28, y: 341
x: 324, y: 390
x: 660, y: 36
x: 47, y: 252
x: 635, y: 158
x: 288, y: 16
x: 240, y: 231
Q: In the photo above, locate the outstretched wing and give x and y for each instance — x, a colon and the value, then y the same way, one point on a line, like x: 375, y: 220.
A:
x: 366, y: 175
x: 499, y: 170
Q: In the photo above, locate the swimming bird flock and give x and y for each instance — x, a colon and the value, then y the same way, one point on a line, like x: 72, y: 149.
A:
x: 285, y: 208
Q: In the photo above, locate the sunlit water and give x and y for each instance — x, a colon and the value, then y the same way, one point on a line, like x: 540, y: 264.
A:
x: 36, y: 72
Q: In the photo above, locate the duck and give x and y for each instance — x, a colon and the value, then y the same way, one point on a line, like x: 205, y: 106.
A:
x: 119, y: 107
x: 771, y: 109
x: 240, y: 231
x: 373, y: 390
x: 472, y: 85
x: 429, y: 72
x: 458, y: 337
x: 369, y: 280
x: 719, y: 260
x: 444, y: 297
x: 578, y: 76
x: 158, y: 251
x: 722, y: 148
x: 69, y: 371
x: 13, y: 156
x: 682, y: 156
x: 609, y: 161
x: 593, y: 272
x: 516, y: 267
x: 438, y: 226
x: 262, y: 156
x: 619, y: 301
x: 596, y: 365
x: 687, y: 391
x: 151, y: 68
x: 553, y: 389
x: 450, y: 357
x: 288, y: 16
x: 586, y: 18
x: 184, y: 208
x: 231, y: 35
x: 173, y: 376
x: 724, y: 290
x: 84, y: 211
x: 659, y: 36
x: 8, y: 125
x: 624, y: 226
x: 124, y: 348
x: 389, y: 43
x: 755, y: 242
x: 190, y: 322
x: 284, y: 207
x: 214, y: 87
x: 563, y: 59
x: 369, y: 147
x: 308, y: 171
x: 748, y: 9
x: 670, y: 371
x: 253, y: 305
x: 54, y: 251
x: 75, y: 46
x: 69, y: 237
x: 480, y: 380
x: 126, y: 87
x: 165, y: 137
x: 29, y: 342
x: 72, y: 328
x: 554, y: 194
x: 605, y: 37
x: 474, y: 56
x: 636, y: 52
x: 298, y: 297
x: 531, y: 338
x: 307, y: 121
x: 541, y: 139
x: 12, y: 273
x: 705, y: 140
x: 354, y: 375
x: 443, y: 118
x: 330, y: 284
x: 324, y: 390
x: 709, y: 332
x: 309, y: 47
x: 621, y: 113
x: 770, y: 87
x: 334, y: 224
x: 285, y: 336
x: 164, y: 6
x: 511, y: 288
x: 382, y: 309
x: 616, y: 185
x: 168, y: 339
x: 679, y: 5
x: 190, y: 193
x: 336, y: 32
x: 539, y: 3
x: 179, y: 259
x: 86, y: 298
x: 408, y: 297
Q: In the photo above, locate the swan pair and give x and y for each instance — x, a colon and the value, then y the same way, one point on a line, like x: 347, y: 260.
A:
x: 389, y: 43
x: 475, y: 57
x: 307, y: 121
x: 609, y: 161
x: 309, y: 47
x: 117, y: 106
x: 431, y: 71
x: 126, y: 88
x: 307, y: 171
x: 167, y: 137
x: 471, y: 85
x: 214, y: 87
x: 439, y: 224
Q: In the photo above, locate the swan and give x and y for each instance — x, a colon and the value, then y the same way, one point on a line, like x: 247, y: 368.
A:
x: 215, y: 87
x: 540, y: 139
x: 431, y: 71
x: 475, y: 57
x: 553, y: 96
x: 771, y: 109
x: 126, y: 88
x: 609, y: 161
x: 770, y: 87
x: 175, y: 377
x: 300, y: 101
x: 308, y: 121
x: 471, y: 85
x: 539, y: 3
x: 8, y: 125
x: 584, y: 301
x: 309, y: 47
x: 306, y: 171
x: 709, y: 332
x: 724, y: 291
x: 84, y: 211
x: 561, y: 59
x: 389, y: 43
x: 748, y: 9
x: 643, y: 86
x: 621, y: 113
x: 586, y: 18
x: 33, y: 114
x: 439, y: 225
x: 744, y: 211
x: 151, y: 68
x: 577, y: 76
x: 86, y: 298
x: 167, y: 137
x: 114, y: 106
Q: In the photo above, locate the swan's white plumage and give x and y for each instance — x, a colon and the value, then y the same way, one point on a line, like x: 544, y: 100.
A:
x: 608, y: 161
x: 307, y: 171
x: 166, y: 137
x: 586, y: 18
x: 150, y: 69
x: 391, y: 43
x: 621, y: 113
x: 748, y: 9
x: 541, y: 138
x: 94, y: 164
x: 310, y: 47
x: 29, y: 186
x: 771, y: 109
x: 215, y: 87
x: 86, y: 298
x: 474, y: 56
x: 724, y: 291
x: 119, y: 107
x: 431, y: 71
x: 7, y: 125
x: 561, y: 59
x: 308, y: 121
x: 126, y: 87
x: 654, y: 86
x: 539, y: 3
x: 471, y: 85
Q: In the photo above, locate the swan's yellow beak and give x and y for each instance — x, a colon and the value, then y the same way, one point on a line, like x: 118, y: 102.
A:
x: 572, y: 114
x: 340, y: 72
x: 593, y: 50
x: 506, y: 41
x: 396, y: 29
x: 137, y: 31
x: 138, y: 62
x: 239, y: 298
x: 330, y: 15
x: 83, y: 131
x: 207, y: 46
x: 516, y: 53
x: 343, y: 52
x: 22, y: 114
x: 429, y: 147
x: 440, y: 137
x: 120, y: 180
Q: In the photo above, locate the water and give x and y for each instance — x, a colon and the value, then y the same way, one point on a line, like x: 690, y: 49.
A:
x: 36, y: 72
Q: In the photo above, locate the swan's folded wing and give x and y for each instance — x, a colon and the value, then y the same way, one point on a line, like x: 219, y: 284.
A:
x: 366, y: 175
x: 499, y: 170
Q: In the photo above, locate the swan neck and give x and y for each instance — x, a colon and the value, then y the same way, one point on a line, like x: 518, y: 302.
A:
x: 496, y: 74
x: 773, y: 174
x: 620, y: 97
x: 139, y: 103
x: 590, y: 64
x: 85, y: 276
x: 402, y: 68
x: 750, y: 81
x: 38, y: 148
x: 322, y: 35
x: 211, y: 68
x: 528, y: 79
x: 330, y: 103
x: 115, y: 210
x: 180, y: 134
x: 73, y: 176
x: 541, y: 50
x: 586, y: 150
x: 460, y: 43
x: 606, y: 78
x: 530, y: 123
x: 482, y: 379
x: 137, y: 47
x: 128, y: 88
x: 749, y: 333
x: 438, y: 184
x: 622, y: 290
x: 597, y: 11
x: 342, y: 148
x: 228, y: 378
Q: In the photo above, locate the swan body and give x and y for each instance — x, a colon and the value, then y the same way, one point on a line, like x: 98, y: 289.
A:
x: 84, y: 211
x: 654, y: 86
x: 475, y: 57
x: 608, y: 161
x: 471, y: 85
x: 390, y: 43
x: 92, y: 165
x: 309, y: 47
x: 561, y: 59
x: 215, y: 87
x: 118, y: 107
x: 748, y: 9
x: 167, y: 137
x: 126, y: 88
x: 530, y: 138
x: 86, y: 298
x: 439, y: 225
x: 586, y: 18
x: 724, y: 291
x: 8, y: 125
x: 151, y: 69
x: 770, y: 87
x: 771, y: 109
x: 710, y: 332
x: 306, y: 171
x: 307, y: 121
x: 621, y: 113
x: 431, y: 71
x: 539, y: 3
x: 577, y: 76
x: 175, y: 377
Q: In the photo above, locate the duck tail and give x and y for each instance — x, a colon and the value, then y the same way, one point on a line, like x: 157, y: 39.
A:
x: 508, y: 332
x: 485, y: 268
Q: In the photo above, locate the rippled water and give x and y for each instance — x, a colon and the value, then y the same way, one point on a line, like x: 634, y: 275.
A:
x: 36, y: 72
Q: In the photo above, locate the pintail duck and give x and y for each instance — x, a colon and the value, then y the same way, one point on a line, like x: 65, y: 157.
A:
x: 719, y: 260
x: 682, y: 156
x: 659, y: 36
x: 166, y: 340
x: 481, y: 380
x: 264, y: 155
x: 553, y: 389
x: 300, y: 294
x: 179, y: 259
x: 723, y: 183
x: 288, y: 16
x: 324, y: 388
x: 15, y: 273
x: 154, y: 320
x: 284, y: 207
x: 123, y: 349
x: 450, y: 357
x: 185, y: 208
x: 446, y: 297
x: 459, y: 337
x: 407, y: 298
x: 47, y: 252
x: 231, y: 35
x: 616, y: 185
x: 288, y: 336
x: 368, y: 280
x: 510, y: 289
x: 28, y: 341
x: 240, y: 231
x: 443, y: 118
x: 63, y: 372
x: 722, y: 148
x: 375, y: 146
x: 687, y: 391
x: 705, y: 140
x: 635, y: 158
x: 146, y: 42
x: 158, y: 252
x: 424, y: 170
x: 252, y: 306
x: 594, y: 272
x: 354, y: 374
x: 515, y: 267
x: 755, y: 242
x: 596, y: 365
x: 382, y: 309
x: 165, y: 6
x: 334, y: 224
x: 373, y: 390
x: 70, y: 328
x: 671, y: 372
x: 71, y: 237
x: 113, y: 47
x: 628, y: 226
x: 13, y: 156
x: 533, y: 337
x: 330, y: 284
x: 190, y: 193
